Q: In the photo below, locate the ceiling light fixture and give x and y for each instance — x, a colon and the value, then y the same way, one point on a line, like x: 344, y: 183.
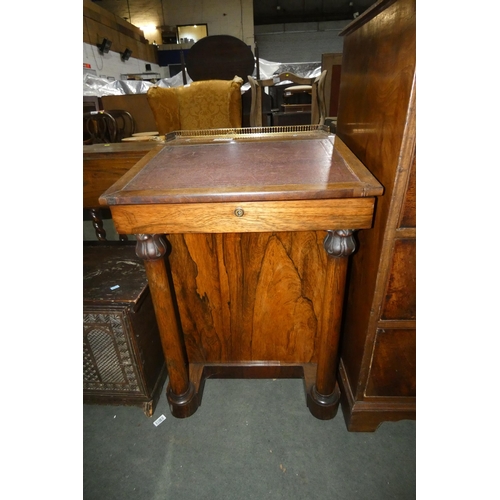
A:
x: 149, y: 28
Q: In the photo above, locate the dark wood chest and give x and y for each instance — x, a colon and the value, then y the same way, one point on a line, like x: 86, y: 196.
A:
x: 377, y: 120
x: 123, y: 361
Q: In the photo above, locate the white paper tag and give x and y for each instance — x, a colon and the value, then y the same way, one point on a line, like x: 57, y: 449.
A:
x: 114, y: 287
x: 159, y: 420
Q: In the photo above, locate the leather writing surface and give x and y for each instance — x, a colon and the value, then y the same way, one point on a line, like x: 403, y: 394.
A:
x: 305, y: 169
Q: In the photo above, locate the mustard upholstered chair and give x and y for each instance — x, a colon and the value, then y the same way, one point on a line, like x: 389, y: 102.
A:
x: 206, y: 104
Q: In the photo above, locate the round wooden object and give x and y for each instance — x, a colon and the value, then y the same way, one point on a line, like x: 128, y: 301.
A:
x: 142, y: 134
x: 220, y: 57
x: 136, y: 139
x: 295, y: 89
x: 142, y: 138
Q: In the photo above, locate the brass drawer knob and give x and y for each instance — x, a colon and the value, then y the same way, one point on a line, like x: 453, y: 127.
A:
x: 239, y: 212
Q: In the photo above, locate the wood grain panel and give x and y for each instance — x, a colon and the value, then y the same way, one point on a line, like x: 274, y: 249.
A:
x: 104, y: 165
x: 332, y: 63
x: 409, y: 212
x: 400, y: 301
x: 299, y: 215
x: 249, y: 297
x: 393, y: 369
x: 376, y: 121
x: 98, y: 23
x: 378, y: 69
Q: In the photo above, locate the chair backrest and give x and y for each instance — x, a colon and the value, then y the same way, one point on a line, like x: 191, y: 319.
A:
x: 125, y: 123
x: 202, y: 105
x: 101, y: 126
x: 318, y: 113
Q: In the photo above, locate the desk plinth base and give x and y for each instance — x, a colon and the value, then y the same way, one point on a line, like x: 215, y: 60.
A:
x: 320, y: 406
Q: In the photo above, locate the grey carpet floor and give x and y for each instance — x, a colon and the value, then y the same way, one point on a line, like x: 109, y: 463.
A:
x: 249, y: 439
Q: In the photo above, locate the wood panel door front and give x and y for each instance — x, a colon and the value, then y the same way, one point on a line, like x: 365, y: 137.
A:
x: 247, y: 297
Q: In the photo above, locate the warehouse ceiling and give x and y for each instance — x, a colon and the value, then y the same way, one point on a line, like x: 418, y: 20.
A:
x: 265, y: 11
x: 293, y: 11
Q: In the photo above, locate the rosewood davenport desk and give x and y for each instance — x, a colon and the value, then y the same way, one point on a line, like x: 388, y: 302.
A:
x: 245, y: 236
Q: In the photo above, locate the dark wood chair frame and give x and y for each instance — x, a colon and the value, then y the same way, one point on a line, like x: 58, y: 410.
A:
x: 257, y: 86
x: 101, y: 126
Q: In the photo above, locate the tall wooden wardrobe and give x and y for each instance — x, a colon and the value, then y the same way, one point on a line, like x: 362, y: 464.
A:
x: 376, y: 119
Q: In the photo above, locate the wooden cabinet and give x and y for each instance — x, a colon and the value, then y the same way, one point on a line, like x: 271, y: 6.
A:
x: 376, y: 120
x: 257, y: 254
x: 123, y: 362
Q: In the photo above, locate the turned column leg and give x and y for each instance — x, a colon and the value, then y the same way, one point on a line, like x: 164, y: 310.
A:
x: 323, y: 400
x: 98, y: 224
x: 180, y: 391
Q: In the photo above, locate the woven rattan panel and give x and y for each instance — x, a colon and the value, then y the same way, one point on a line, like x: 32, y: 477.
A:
x: 108, y: 363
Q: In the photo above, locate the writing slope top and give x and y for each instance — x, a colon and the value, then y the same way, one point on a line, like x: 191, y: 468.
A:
x: 319, y: 167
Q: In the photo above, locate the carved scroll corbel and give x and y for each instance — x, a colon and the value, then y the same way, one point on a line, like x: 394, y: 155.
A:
x: 339, y: 242
x: 150, y: 246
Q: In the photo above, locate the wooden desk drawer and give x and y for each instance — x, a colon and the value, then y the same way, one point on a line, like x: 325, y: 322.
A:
x: 393, y: 369
x: 400, y: 300
x: 242, y: 217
